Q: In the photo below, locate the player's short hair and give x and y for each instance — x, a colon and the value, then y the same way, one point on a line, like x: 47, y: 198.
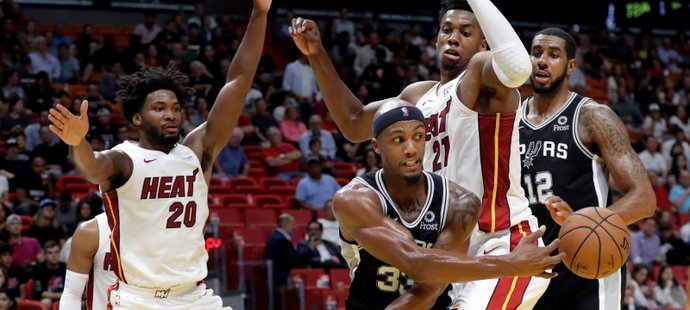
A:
x: 447, y: 5
x: 570, y: 45
x: 134, y: 88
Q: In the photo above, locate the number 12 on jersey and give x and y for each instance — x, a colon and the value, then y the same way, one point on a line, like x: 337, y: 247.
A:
x: 441, y: 148
x: 543, y: 183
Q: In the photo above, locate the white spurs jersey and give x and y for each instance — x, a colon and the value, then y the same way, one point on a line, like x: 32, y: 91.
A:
x: 101, y: 275
x: 157, y: 219
x: 479, y: 151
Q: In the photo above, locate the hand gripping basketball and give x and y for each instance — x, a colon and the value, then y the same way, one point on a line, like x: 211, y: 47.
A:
x: 70, y: 128
x: 533, y: 260
x: 306, y: 35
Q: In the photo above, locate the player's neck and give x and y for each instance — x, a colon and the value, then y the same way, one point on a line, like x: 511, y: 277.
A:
x: 448, y: 75
x: 546, y: 104
x: 406, y: 195
x: 150, y: 145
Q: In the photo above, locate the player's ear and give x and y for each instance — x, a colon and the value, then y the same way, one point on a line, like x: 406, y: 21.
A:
x: 484, y: 46
x: 375, y: 146
x: 572, y: 64
x: 136, y: 119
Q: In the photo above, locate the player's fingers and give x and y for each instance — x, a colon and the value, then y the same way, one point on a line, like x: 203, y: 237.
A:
x: 547, y: 275
x: 298, y: 22
x: 84, y: 109
x: 55, y: 130
x: 533, y: 236
x: 554, y: 260
x: 552, y: 246
x: 56, y: 119
x: 64, y: 111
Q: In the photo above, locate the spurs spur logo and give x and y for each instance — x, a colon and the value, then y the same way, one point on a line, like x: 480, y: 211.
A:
x: 532, y: 151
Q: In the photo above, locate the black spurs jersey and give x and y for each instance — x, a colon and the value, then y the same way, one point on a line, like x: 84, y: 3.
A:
x: 555, y: 162
x: 376, y: 284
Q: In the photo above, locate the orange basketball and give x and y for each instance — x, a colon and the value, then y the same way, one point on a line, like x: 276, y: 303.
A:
x: 596, y: 242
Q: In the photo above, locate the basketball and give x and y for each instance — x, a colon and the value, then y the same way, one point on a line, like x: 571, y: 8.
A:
x: 596, y: 242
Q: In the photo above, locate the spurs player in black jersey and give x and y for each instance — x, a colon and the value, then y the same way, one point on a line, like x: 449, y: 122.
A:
x: 404, y: 228
x: 569, y: 146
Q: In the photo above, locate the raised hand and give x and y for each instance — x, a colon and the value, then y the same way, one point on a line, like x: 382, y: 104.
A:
x: 559, y: 209
x: 70, y: 128
x: 262, y: 5
x: 306, y: 35
x: 533, y: 260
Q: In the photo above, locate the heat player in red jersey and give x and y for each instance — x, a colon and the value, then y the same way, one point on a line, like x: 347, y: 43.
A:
x: 472, y: 132
x: 155, y: 190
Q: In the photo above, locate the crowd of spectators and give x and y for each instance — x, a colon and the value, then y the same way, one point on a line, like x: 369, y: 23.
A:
x: 645, y: 78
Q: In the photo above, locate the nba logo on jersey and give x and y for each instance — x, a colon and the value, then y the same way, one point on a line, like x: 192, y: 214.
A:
x: 405, y: 112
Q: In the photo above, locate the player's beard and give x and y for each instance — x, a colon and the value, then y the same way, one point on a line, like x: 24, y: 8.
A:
x: 413, y: 180
x: 158, y: 137
x: 550, y: 88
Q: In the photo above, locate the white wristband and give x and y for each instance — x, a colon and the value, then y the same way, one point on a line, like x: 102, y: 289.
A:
x: 74, y: 289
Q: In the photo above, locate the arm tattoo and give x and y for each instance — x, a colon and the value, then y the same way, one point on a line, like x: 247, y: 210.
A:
x: 465, y: 208
x: 606, y: 128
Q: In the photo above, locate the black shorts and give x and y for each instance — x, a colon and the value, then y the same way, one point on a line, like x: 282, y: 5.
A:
x: 570, y: 292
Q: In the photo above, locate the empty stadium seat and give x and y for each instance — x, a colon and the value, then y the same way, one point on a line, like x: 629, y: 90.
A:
x: 260, y: 218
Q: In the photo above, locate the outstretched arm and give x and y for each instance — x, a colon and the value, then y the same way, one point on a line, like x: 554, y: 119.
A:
x: 208, y: 139
x: 505, y: 67
x: 463, y: 213
x: 97, y: 167
x: 352, y: 117
x: 84, y: 247
x: 358, y: 211
x: 603, y: 128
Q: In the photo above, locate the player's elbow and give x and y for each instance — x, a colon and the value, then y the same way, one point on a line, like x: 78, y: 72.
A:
x: 649, y: 205
x: 411, y: 266
x: 512, y: 65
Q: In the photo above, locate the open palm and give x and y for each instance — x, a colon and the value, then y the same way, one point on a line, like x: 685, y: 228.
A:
x: 70, y: 128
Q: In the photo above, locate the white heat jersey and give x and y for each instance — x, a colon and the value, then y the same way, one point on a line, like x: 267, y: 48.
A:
x: 101, y: 275
x: 479, y: 151
x: 157, y: 219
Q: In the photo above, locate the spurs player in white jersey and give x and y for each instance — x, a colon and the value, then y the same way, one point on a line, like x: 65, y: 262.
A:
x: 90, y: 254
x: 471, y: 133
x: 155, y: 190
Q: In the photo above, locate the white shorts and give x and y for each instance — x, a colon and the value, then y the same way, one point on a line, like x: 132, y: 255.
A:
x: 193, y: 296
x: 504, y: 293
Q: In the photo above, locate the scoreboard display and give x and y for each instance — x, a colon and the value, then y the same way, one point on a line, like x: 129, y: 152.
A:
x: 654, y: 13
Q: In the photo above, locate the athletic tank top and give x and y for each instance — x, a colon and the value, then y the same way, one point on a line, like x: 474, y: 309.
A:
x: 376, y: 284
x: 479, y: 151
x: 157, y: 219
x: 101, y: 275
x: 555, y: 162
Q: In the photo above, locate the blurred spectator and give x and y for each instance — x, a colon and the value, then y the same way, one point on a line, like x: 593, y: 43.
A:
x: 680, y: 121
x: 642, y: 293
x: 55, y: 154
x: 646, y: 245
x: 15, y: 162
x: 315, y: 131
x: 41, y: 60
x: 200, y: 79
x: 232, y: 160
x: 667, y: 292
x: 85, y: 43
x: 680, y: 194
x: 316, y: 189
x: 8, y: 300
x: 11, y: 89
x: 372, y: 162
x: 41, y: 93
x: 331, y: 228
x: 662, y: 195
x: 200, y: 112
x: 366, y: 55
x: 66, y: 213
x: 11, y: 44
x: 344, y: 24
x: 16, y: 276
x: 33, y: 134
x: 148, y: 30
x: 200, y: 16
x: 85, y: 211
x: 323, y: 253
x: 282, y: 252
x: 107, y: 55
x: 678, y: 164
x: 45, y: 226
x: 108, y: 82
x: 69, y: 66
x: 652, y: 159
x: 675, y: 146
x: 291, y: 126
x: 673, y: 250
x: 59, y: 37
x: 667, y: 55
x: 654, y: 122
x: 315, y: 153
x: 300, y: 82
x: 169, y: 35
x: 32, y: 188
x: 262, y: 119
x: 49, y: 276
x: 104, y: 127
x: 25, y: 250
x: 16, y: 120
x: 283, y: 159
x: 4, y: 233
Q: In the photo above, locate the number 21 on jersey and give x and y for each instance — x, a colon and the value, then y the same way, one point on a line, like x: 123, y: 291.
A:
x: 436, y: 129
